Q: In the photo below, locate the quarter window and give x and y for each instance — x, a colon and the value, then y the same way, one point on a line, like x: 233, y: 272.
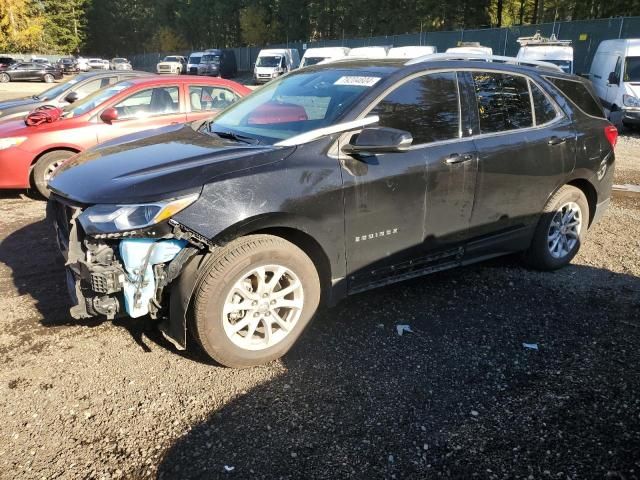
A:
x: 503, y: 102
x: 149, y: 103
x: 205, y: 98
x: 579, y: 94
x: 426, y: 106
x: 544, y: 109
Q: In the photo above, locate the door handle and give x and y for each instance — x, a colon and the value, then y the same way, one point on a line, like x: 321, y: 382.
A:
x: 457, y: 158
x: 556, y: 141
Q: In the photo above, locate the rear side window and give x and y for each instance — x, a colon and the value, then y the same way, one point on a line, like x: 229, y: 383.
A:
x: 580, y: 95
x: 543, y: 108
x: 503, y: 102
x: 426, y: 106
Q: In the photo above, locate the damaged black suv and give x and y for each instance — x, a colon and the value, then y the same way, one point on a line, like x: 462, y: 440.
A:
x: 331, y: 180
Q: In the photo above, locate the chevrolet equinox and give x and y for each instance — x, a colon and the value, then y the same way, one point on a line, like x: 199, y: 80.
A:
x: 329, y: 181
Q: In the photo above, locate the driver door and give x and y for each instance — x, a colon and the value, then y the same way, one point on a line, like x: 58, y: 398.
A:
x: 145, y: 109
x: 408, y: 212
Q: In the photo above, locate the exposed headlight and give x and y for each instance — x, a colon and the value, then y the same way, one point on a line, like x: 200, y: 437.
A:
x: 11, y: 142
x: 119, y: 218
x: 630, y: 101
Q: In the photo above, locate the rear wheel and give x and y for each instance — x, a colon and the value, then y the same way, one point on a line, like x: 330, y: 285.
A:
x: 4, y: 78
x: 560, y: 231
x: 45, y: 167
x: 48, y: 78
x: 257, y: 296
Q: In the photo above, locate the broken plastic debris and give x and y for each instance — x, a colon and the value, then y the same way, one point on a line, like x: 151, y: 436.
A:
x: 531, y: 346
x: 403, y: 328
x: 228, y: 468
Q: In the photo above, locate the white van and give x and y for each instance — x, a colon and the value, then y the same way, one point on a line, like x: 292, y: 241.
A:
x: 550, y: 50
x: 313, y: 56
x: 473, y: 48
x: 273, y: 62
x: 369, y: 52
x: 615, y: 74
x: 194, y: 63
x: 411, y: 51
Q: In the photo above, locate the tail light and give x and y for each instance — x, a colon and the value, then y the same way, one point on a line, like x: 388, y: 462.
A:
x: 611, y: 133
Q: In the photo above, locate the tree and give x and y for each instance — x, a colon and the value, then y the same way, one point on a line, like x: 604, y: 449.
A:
x: 64, y: 25
x: 21, y: 26
x: 254, y: 26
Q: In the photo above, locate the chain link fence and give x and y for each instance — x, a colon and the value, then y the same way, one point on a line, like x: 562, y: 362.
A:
x: 584, y: 34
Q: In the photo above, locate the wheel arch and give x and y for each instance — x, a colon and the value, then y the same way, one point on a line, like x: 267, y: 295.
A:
x: 590, y: 192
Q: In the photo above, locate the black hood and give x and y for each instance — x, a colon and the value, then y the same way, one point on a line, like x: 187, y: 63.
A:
x: 156, y: 165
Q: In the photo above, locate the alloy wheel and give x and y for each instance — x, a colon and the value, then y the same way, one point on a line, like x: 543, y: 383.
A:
x: 48, y: 78
x: 564, y: 231
x: 4, y: 78
x: 263, y: 307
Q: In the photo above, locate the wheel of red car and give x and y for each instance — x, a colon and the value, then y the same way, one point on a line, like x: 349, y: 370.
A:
x: 48, y: 78
x: 4, y: 78
x: 561, y: 230
x: 45, y: 167
x: 256, y: 297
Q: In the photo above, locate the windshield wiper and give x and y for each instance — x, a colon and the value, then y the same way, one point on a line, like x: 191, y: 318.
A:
x: 237, y: 137
x: 35, y: 97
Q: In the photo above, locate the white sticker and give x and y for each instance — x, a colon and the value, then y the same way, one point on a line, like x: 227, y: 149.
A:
x: 357, y: 81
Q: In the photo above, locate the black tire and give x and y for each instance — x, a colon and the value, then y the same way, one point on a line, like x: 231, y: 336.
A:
x: 539, y: 254
x: 223, y: 270
x: 4, y: 78
x: 43, y: 167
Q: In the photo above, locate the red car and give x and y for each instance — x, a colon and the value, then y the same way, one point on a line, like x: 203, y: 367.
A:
x: 29, y: 154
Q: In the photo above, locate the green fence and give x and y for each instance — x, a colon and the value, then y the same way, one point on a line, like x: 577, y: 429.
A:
x: 585, y: 35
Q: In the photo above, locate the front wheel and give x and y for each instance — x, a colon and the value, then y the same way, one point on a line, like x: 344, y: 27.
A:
x: 5, y: 78
x: 560, y: 231
x: 256, y: 297
x: 44, y: 168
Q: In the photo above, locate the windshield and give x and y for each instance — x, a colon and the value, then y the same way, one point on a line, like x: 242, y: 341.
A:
x: 313, y: 60
x: 565, y: 65
x: 211, y: 58
x: 54, y: 92
x: 295, y: 104
x: 269, y: 61
x: 632, y: 69
x: 119, y: 60
x: 67, y: 60
x: 171, y: 59
x: 92, y: 101
x: 194, y: 60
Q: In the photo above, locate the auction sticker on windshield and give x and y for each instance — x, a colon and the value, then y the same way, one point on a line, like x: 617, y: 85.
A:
x: 357, y: 81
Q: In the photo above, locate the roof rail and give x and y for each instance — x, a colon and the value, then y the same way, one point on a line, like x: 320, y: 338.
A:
x: 434, y: 57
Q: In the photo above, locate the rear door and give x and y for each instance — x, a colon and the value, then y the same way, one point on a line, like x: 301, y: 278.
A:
x: 406, y: 213
x: 526, y: 148
x: 144, y: 109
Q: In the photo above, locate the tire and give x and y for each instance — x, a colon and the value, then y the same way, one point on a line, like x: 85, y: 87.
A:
x: 48, y: 78
x: 45, y: 166
x: 5, y: 78
x: 230, y: 277
x: 566, y: 211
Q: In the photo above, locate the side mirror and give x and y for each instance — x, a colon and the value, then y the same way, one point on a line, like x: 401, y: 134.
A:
x: 613, y: 79
x: 109, y: 115
x: 71, y: 97
x: 374, y: 140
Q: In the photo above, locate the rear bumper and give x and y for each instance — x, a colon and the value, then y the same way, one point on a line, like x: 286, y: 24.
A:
x: 14, y: 168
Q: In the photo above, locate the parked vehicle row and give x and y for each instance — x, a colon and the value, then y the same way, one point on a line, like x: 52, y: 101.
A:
x: 329, y: 181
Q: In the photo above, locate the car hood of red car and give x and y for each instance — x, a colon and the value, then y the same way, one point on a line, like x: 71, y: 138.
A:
x: 155, y: 165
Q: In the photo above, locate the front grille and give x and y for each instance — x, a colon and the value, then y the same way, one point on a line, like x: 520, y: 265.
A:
x: 193, y: 70
x: 164, y: 67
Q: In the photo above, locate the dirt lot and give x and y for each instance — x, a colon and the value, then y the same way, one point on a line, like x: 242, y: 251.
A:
x: 459, y: 398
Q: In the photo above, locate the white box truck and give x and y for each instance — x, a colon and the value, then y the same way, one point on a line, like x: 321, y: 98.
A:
x: 273, y: 62
x: 312, y: 56
x: 550, y: 50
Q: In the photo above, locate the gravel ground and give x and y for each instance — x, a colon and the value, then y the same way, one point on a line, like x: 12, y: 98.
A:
x: 460, y: 397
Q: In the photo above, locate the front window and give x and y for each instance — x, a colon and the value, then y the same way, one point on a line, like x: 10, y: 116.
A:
x: 194, y: 60
x: 119, y: 60
x: 171, y: 59
x: 296, y: 104
x: 53, y: 92
x: 565, y: 65
x: 211, y: 59
x: 92, y: 101
x: 149, y: 103
x: 270, y: 62
x: 632, y: 69
x: 312, y: 60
